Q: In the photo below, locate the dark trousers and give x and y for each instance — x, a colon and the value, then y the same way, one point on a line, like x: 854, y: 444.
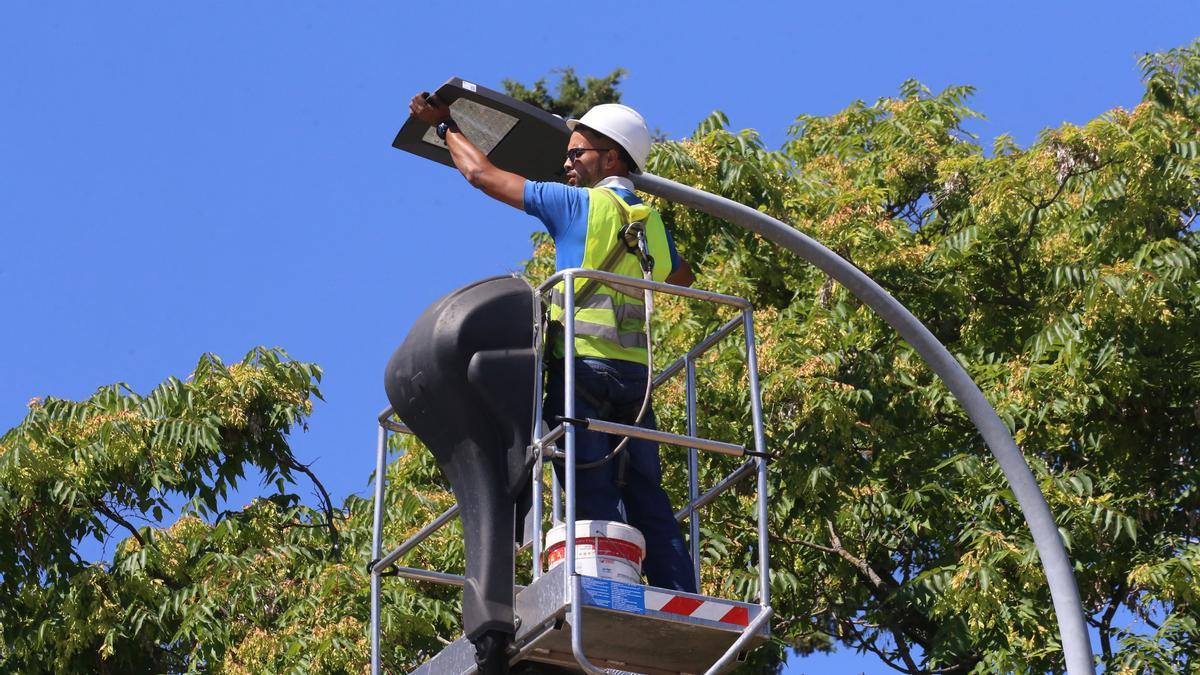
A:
x: 641, y: 502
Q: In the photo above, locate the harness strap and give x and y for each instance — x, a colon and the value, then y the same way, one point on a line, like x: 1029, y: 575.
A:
x: 605, y: 409
x: 614, y: 256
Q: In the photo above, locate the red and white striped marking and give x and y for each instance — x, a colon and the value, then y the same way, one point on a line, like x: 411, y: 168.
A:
x: 710, y: 610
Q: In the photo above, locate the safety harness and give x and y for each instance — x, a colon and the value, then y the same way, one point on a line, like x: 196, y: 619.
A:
x: 631, y: 239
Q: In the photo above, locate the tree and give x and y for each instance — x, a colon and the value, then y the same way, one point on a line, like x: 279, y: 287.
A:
x: 1065, y: 277
x: 263, y: 589
x: 573, y: 98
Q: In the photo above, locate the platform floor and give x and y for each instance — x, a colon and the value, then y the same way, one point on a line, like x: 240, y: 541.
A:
x: 627, y: 628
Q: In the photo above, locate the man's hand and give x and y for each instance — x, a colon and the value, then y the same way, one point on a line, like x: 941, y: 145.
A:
x: 683, y: 275
x: 474, y: 165
x: 429, y: 108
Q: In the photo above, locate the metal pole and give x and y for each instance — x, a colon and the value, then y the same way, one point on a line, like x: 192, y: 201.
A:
x: 536, y: 536
x: 760, y: 445
x: 693, y: 471
x: 1077, y: 646
x: 571, y: 578
x: 664, y: 437
x: 695, y: 352
x: 569, y: 428
x: 421, y: 535
x: 656, y: 286
x: 731, y: 653
x: 538, y: 476
x: 717, y: 490
x: 377, y: 546
x: 575, y: 583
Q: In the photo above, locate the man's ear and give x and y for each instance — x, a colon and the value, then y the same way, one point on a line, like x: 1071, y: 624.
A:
x: 612, y: 161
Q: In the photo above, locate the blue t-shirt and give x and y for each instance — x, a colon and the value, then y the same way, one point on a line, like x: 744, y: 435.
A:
x: 563, y: 209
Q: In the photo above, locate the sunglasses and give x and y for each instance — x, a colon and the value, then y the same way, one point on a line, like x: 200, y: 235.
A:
x: 574, y: 153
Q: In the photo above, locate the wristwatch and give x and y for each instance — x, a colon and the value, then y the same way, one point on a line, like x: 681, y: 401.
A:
x: 443, y: 127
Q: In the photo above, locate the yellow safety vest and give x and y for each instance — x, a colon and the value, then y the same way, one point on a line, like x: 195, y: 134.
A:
x: 610, y: 318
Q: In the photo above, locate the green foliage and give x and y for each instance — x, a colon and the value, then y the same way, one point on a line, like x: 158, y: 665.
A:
x: 1066, y: 278
x: 573, y: 98
x: 77, y: 470
x: 75, y: 466
x: 273, y: 587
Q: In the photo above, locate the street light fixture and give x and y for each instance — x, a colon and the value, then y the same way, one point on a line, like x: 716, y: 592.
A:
x: 515, y: 135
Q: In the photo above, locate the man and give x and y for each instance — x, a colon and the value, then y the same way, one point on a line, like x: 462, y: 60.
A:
x: 609, y: 143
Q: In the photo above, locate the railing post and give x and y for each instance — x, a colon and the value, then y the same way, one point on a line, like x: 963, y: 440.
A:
x: 569, y: 427
x: 760, y: 445
x: 573, y: 591
x: 538, y: 476
x: 693, y: 470
x: 377, y: 546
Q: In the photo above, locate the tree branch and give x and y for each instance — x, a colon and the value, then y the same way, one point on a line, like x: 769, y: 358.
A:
x: 809, y: 544
x: 861, y: 565
x: 1106, y: 620
x: 326, y: 502
x: 869, y: 645
x: 1145, y: 616
x: 1018, y: 251
x: 117, y: 518
x: 901, y: 617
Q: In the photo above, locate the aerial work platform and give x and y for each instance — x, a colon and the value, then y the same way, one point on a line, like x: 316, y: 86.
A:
x: 571, y: 623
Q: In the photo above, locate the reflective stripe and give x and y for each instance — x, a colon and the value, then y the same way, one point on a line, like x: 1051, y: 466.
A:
x: 631, y: 311
x: 626, y: 311
x: 627, y: 339
x: 631, y: 291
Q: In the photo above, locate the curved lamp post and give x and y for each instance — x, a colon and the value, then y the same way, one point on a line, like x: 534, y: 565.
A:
x: 1077, y: 646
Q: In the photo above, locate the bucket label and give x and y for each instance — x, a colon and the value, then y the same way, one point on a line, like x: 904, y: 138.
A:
x: 613, y: 595
x: 587, y: 547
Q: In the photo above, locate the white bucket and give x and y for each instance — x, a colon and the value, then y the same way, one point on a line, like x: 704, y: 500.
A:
x: 603, y: 548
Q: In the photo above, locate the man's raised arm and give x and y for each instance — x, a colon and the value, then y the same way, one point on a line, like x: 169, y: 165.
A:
x: 475, y: 166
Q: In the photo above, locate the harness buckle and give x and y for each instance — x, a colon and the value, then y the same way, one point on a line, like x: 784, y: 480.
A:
x: 634, y: 237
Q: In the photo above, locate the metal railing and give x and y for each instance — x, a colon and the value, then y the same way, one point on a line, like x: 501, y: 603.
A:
x: 545, y: 446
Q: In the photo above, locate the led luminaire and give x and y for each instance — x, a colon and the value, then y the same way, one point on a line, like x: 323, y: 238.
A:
x: 516, y: 136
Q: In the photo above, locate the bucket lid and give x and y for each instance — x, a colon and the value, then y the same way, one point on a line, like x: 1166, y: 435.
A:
x: 597, y: 528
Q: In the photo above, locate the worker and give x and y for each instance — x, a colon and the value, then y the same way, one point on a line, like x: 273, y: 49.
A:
x: 610, y: 142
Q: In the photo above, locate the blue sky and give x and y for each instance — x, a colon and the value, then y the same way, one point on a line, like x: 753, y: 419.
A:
x: 185, y: 177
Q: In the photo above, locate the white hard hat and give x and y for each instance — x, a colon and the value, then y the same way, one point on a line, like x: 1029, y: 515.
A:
x: 622, y: 124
